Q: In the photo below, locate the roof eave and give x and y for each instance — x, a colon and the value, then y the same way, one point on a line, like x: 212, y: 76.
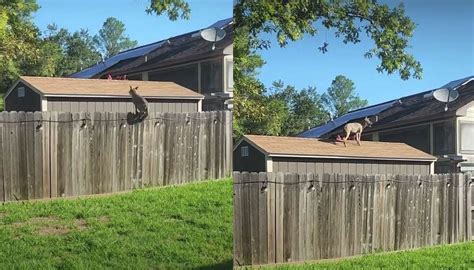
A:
x: 121, y: 96
x: 352, y: 157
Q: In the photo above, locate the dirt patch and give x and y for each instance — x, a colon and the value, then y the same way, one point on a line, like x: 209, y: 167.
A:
x: 81, y: 224
x: 104, y: 219
x: 53, y: 230
x: 2, y: 215
x: 48, y: 226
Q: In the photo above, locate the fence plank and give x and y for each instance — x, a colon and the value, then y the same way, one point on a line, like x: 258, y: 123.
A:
x: 2, y: 168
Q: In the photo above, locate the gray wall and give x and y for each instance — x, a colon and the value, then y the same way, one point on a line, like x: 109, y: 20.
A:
x: 118, y: 105
x: 255, y: 162
x: 301, y: 165
x: 29, y: 103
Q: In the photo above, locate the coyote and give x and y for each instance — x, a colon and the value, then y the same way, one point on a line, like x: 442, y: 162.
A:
x: 356, y: 128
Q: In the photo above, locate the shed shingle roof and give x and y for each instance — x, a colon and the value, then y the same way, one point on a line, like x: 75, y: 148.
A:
x: 50, y: 86
x: 314, y: 148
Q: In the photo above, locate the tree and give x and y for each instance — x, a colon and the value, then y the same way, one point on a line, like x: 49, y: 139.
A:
x: 172, y: 8
x: 304, y: 108
x: 341, y: 98
x: 111, y: 38
x: 18, y: 40
x: 389, y: 28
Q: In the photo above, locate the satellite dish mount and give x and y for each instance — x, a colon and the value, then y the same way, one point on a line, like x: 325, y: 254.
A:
x: 213, y: 35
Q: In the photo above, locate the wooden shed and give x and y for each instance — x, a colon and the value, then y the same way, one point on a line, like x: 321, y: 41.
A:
x: 255, y: 153
x: 97, y: 95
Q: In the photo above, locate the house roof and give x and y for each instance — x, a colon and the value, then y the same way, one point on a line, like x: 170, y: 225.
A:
x: 406, y: 110
x: 179, y: 49
x: 315, y: 148
x: 50, y: 86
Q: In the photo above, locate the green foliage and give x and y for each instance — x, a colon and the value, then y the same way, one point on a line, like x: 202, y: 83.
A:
x: 56, y: 52
x: 18, y: 39
x: 304, y: 108
x: 341, y: 97
x: 186, y: 227
x: 389, y: 29
x: 174, y: 9
x: 111, y: 38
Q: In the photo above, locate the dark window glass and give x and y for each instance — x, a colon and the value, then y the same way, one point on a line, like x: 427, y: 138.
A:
x: 211, y: 76
x: 418, y: 137
x: 186, y: 76
x: 135, y: 77
x: 444, y: 138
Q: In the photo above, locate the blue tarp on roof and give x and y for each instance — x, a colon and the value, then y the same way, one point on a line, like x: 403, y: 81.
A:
x: 132, y: 53
x: 357, y: 114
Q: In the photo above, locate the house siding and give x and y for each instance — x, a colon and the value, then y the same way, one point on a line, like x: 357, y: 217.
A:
x: 255, y: 162
x: 119, y: 105
x: 29, y: 103
x: 347, y: 166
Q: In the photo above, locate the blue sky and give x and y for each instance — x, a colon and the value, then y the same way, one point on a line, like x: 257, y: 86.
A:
x: 443, y: 42
x: 91, y: 14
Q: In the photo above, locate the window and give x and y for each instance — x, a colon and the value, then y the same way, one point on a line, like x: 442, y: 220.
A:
x: 21, y: 92
x: 230, y: 75
x: 443, y: 138
x: 186, y: 76
x: 418, y: 137
x: 211, y: 76
x: 467, y: 133
x: 244, y: 151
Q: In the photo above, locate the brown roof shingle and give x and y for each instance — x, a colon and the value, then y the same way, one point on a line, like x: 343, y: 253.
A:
x: 309, y: 147
x: 51, y: 86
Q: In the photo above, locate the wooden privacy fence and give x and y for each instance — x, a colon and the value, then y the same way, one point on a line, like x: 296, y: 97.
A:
x: 296, y: 217
x: 50, y: 154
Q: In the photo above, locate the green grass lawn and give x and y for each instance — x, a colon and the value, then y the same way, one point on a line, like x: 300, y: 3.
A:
x: 187, y: 227
x: 167, y: 228
x: 459, y: 256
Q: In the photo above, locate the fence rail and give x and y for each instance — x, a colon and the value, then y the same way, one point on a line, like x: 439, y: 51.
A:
x: 296, y: 217
x: 50, y: 154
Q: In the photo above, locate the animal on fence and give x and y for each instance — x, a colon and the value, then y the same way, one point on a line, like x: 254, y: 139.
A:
x: 355, y: 128
x: 141, y: 105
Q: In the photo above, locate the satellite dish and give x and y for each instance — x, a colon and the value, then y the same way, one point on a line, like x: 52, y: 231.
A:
x: 446, y: 95
x: 213, y: 34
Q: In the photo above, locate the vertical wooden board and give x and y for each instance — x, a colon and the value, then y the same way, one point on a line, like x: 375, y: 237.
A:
x: 38, y: 142
x: 2, y: 142
x: 370, y: 214
x: 161, y: 151
x: 45, y: 170
x: 302, y: 188
x: 271, y: 216
x: 122, y: 153
x: 15, y: 152
x: 21, y: 156
x: 308, y: 221
x: 254, y: 192
x: 53, y: 133
x: 238, y: 217
x: 469, y: 207
x: 28, y: 130
x: 246, y: 220
x: 279, y: 211
x: 7, y: 146
x: 76, y: 161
